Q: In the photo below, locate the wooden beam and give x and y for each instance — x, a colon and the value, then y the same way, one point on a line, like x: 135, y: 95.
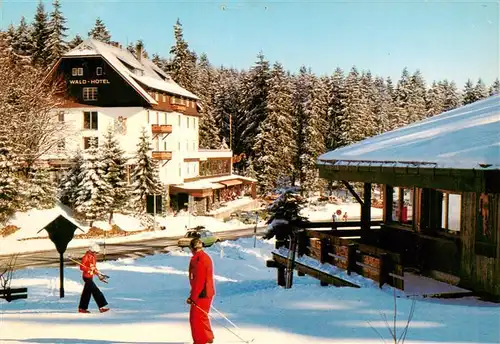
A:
x: 351, y: 190
x: 366, y: 207
x: 387, y: 198
x: 340, y: 224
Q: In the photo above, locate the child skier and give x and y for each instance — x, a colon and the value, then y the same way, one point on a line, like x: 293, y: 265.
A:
x: 89, y: 269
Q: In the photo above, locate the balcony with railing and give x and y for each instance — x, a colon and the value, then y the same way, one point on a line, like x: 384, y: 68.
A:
x: 161, y: 128
x: 162, y: 155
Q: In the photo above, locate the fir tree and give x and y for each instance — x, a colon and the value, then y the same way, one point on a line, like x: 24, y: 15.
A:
x: 415, y: 108
x: 183, y: 63
x: 114, y: 171
x: 273, y: 147
x: 41, y: 190
x: 480, y: 91
x: 40, y: 36
x: 9, y: 186
x: 67, y: 190
x: 402, y: 100
x: 56, y: 46
x: 495, y: 87
x: 452, y: 98
x: 435, y: 99
x: 76, y: 41
x: 100, y: 32
x: 336, y: 94
x: 469, y: 92
x: 11, y: 35
x: 94, y: 192
x: 208, y: 129
x: 383, y: 106
x: 145, y: 175
x: 255, y: 91
x: 23, y: 40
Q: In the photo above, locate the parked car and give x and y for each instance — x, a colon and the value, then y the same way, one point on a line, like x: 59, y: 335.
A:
x: 207, y: 238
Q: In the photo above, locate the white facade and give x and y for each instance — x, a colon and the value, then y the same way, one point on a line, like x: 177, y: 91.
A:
x: 127, y: 123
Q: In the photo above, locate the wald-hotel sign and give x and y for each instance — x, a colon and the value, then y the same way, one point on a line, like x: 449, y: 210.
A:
x: 89, y: 82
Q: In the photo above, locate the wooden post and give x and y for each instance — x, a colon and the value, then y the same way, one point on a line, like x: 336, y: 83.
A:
x: 61, y: 275
x: 383, y: 269
x: 281, y: 276
x: 325, y: 247
x: 388, y: 200
x: 351, y: 258
x: 366, y: 207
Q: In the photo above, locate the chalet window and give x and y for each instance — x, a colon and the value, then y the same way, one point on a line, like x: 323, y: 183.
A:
x: 157, y: 96
x: 60, y: 116
x: 90, y: 120
x: 179, y: 145
x: 187, y: 102
x: 89, y: 93
x: 172, y: 100
x: 164, y: 146
x: 402, y: 205
x: 179, y: 116
x: 61, y: 145
x: 187, y: 169
x: 164, y: 98
x: 187, y: 122
x: 452, y: 204
x: 182, y: 101
x: 180, y: 169
x: 88, y: 140
x: 166, y: 118
x: 74, y: 71
x: 157, y: 117
x: 98, y: 71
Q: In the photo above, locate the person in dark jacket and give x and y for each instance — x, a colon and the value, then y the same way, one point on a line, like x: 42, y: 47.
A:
x: 202, y: 293
x: 89, y: 268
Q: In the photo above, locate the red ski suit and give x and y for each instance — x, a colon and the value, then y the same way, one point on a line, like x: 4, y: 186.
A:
x: 202, y: 293
x: 88, y: 265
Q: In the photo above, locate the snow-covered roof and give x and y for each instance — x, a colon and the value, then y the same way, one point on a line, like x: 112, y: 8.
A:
x: 136, y: 72
x: 467, y: 137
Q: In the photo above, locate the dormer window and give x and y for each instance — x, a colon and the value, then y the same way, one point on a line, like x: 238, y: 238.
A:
x: 98, y: 71
x: 77, y: 71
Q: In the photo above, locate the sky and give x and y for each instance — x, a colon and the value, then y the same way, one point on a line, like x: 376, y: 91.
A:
x: 453, y: 40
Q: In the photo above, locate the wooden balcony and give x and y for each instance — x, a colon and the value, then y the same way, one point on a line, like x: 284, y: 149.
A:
x: 179, y: 108
x: 161, y: 128
x: 161, y: 155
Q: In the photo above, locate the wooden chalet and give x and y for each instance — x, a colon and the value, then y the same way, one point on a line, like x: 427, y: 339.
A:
x: 440, y: 182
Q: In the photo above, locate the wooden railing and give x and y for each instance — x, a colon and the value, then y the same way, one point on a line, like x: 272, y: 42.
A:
x: 160, y: 155
x: 161, y: 128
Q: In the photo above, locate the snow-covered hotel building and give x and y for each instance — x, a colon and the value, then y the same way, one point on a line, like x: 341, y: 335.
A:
x: 107, y: 85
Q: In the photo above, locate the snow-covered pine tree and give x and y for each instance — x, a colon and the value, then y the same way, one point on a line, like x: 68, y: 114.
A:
x: 145, y: 179
x: 452, y: 98
x: 204, y: 88
x: 22, y: 43
x: 274, y: 146
x: 100, y: 32
x: 469, y: 94
x: 368, y: 93
x: 115, y: 172
x: 41, y: 190
x: 383, y: 106
x: 56, y: 45
x: 435, y: 99
x: 313, y: 141
x: 95, y: 193
x: 160, y: 62
x: 416, y: 109
x: 76, y: 41
x: 68, y: 186
x: 480, y: 90
x: 40, y: 36
x: 336, y: 94
x: 10, y: 35
x: 9, y: 186
x: 182, y: 66
x: 495, y: 87
x: 254, y: 102
x: 402, y: 99
x: 352, y: 124
x: 390, y: 88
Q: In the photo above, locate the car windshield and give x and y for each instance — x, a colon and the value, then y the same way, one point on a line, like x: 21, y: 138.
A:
x: 192, y: 235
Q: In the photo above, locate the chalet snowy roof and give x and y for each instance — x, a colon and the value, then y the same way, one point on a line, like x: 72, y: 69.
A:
x: 136, y: 72
x: 467, y: 138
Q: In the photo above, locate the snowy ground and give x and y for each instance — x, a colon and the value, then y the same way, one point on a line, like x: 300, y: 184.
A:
x: 147, y: 297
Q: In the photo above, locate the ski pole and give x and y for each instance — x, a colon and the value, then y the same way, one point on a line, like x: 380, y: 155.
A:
x: 227, y: 328
x: 222, y: 315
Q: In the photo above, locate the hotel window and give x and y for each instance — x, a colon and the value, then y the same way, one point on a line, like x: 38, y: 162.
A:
x: 187, y: 122
x: 90, y: 120
x: 187, y: 169
x: 179, y: 116
x: 194, y: 145
x: 166, y: 118
x: 193, y: 104
x: 179, y: 145
x: 157, y: 117
x: 157, y: 96
x: 147, y: 116
x: 164, y: 98
x: 180, y: 169
x: 60, y: 116
x: 77, y: 71
x: 88, y: 140
x: 452, y: 205
x: 98, y: 71
x: 89, y: 93
x: 172, y: 100
x: 164, y: 146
